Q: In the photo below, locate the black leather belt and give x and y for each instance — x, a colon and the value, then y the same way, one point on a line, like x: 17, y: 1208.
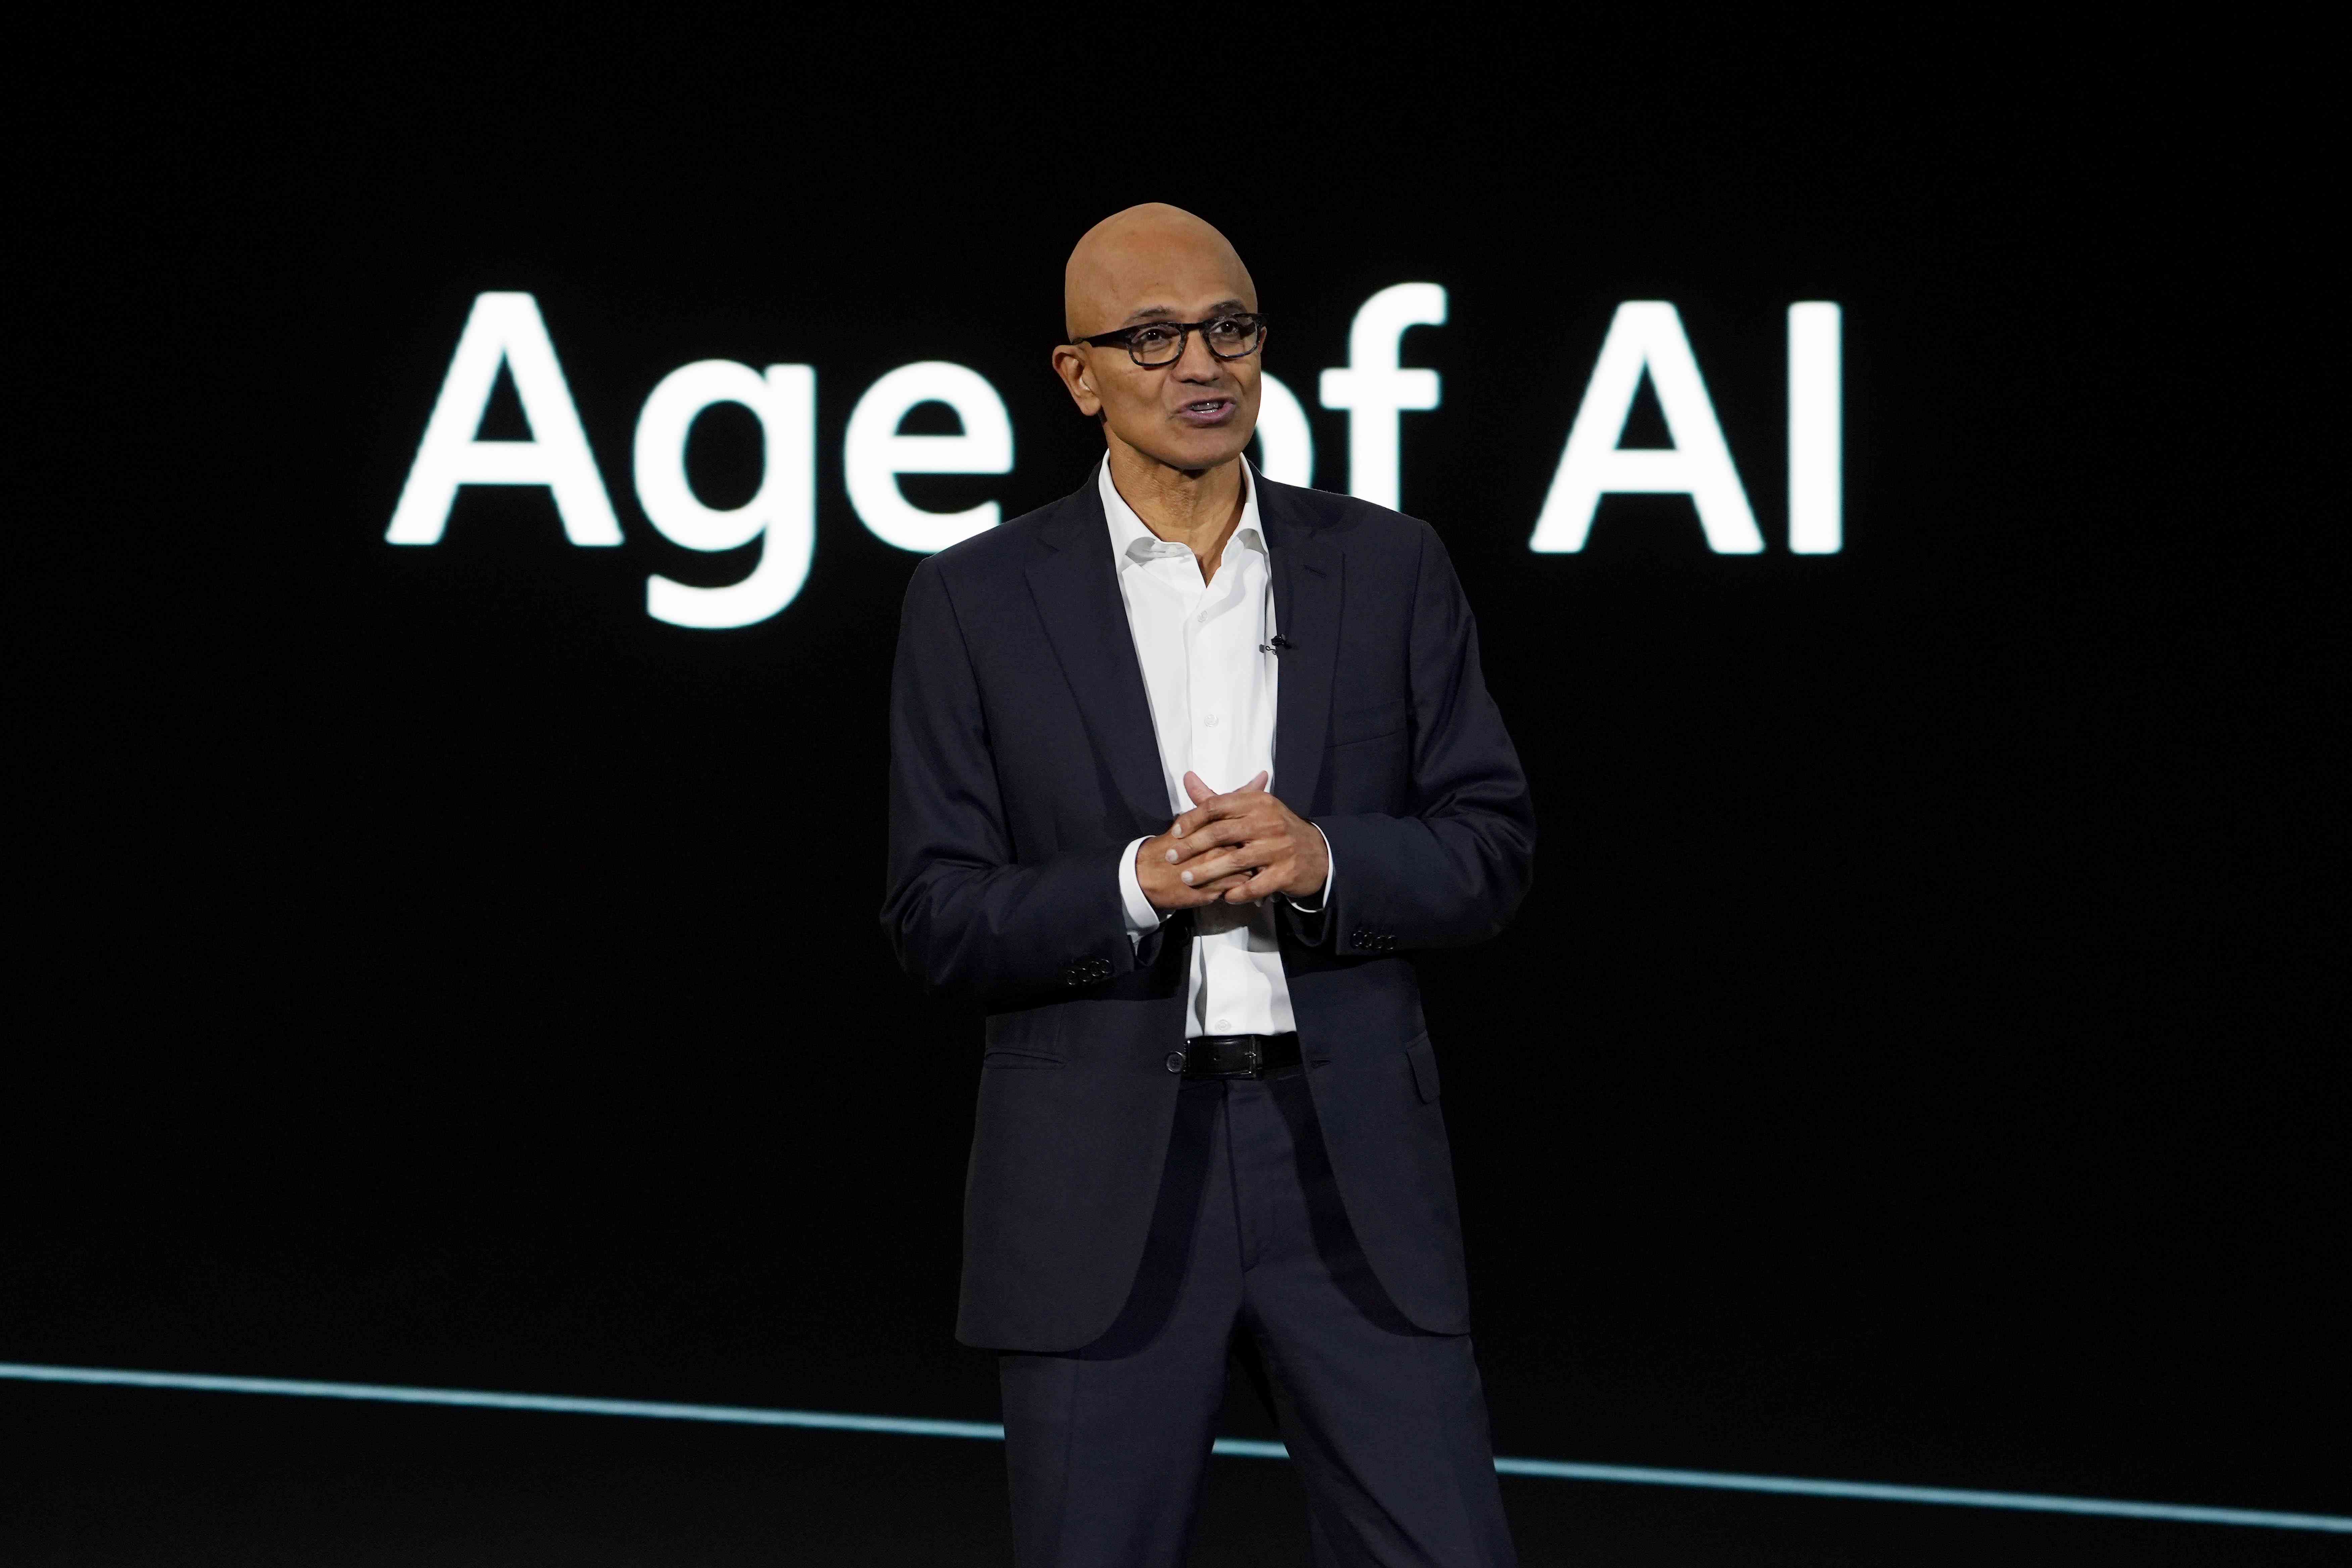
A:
x: 1234, y: 1056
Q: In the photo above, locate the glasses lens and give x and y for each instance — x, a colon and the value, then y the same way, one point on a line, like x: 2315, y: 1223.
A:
x: 1233, y: 336
x: 1155, y: 344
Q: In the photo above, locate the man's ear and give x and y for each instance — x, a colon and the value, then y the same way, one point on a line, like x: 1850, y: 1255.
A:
x: 1071, y: 367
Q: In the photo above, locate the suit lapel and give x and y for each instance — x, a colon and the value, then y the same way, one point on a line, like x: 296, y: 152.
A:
x: 1076, y: 587
x: 1307, y: 595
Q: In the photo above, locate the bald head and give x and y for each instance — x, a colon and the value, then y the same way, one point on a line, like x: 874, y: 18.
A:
x: 1188, y: 415
x: 1148, y: 259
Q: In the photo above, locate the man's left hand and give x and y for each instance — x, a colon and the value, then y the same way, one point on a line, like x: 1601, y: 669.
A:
x: 1249, y: 830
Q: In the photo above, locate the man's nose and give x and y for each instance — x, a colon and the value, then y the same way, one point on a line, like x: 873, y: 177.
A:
x: 1196, y: 362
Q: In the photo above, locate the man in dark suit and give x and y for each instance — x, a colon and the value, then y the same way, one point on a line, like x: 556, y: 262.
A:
x: 1209, y: 1115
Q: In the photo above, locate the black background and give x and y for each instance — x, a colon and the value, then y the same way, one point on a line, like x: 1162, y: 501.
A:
x: 1920, y: 1059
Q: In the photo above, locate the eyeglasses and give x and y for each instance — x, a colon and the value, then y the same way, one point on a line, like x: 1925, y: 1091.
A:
x: 1156, y: 344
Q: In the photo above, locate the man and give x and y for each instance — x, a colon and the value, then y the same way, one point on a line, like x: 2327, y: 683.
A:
x: 1208, y: 1104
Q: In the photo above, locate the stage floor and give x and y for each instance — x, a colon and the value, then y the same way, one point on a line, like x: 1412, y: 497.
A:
x: 120, y: 1477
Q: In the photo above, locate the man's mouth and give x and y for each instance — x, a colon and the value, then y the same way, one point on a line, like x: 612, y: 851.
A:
x: 1207, y: 411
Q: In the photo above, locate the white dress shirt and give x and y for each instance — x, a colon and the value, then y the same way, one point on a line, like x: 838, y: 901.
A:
x: 1211, y: 685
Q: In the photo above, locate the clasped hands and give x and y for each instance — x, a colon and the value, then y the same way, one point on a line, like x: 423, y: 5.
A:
x: 1233, y: 848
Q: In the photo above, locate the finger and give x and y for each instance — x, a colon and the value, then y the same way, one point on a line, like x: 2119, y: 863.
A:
x: 1198, y: 788
x: 1213, y: 835
x: 1167, y: 891
x: 1255, y: 786
x: 1211, y: 892
x: 1225, y: 863
x: 1243, y: 859
x: 1264, y: 883
x: 1182, y: 847
x: 1209, y: 810
x: 1249, y: 827
x: 1248, y: 798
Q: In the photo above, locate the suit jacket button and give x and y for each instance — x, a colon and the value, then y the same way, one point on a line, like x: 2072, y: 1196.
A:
x: 1175, y: 1061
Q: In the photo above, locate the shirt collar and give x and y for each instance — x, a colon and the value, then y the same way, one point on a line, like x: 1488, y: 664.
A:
x: 1131, y: 541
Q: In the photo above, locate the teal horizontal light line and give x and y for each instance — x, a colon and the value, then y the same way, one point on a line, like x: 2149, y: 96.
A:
x: 479, y: 1399
x: 1879, y: 1491
x: 1232, y: 1447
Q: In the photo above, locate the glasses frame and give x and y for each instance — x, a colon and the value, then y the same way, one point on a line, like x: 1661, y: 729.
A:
x: 1124, y: 338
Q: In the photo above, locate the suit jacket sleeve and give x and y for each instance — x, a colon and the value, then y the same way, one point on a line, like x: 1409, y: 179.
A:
x: 1453, y: 869
x: 963, y: 914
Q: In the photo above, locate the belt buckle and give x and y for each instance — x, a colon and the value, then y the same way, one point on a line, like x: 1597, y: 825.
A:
x: 1209, y: 1062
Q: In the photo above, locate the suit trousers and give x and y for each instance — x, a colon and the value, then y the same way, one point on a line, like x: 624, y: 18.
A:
x: 1249, y: 1243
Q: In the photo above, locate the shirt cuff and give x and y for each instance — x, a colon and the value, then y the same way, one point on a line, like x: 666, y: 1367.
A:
x: 1142, y: 920
x: 1330, y: 870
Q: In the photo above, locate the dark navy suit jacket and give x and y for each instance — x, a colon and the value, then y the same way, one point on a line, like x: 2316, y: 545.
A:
x: 1023, y: 761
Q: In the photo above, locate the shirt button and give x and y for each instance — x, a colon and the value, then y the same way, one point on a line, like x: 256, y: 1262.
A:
x: 1210, y: 721
x: 1203, y: 617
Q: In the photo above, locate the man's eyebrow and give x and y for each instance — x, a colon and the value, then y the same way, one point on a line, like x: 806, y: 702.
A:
x: 1167, y: 313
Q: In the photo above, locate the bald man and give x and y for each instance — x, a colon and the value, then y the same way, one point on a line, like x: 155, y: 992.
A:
x: 1184, y: 768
